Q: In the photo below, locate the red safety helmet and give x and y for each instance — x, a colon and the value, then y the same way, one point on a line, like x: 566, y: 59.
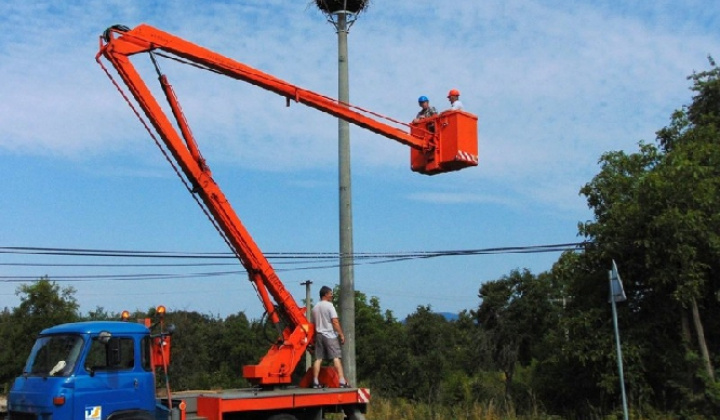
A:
x: 453, y: 92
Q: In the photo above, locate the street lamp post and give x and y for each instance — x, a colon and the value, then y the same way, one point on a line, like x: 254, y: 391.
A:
x: 342, y: 14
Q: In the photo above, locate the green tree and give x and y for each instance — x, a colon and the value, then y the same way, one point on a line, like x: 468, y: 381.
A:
x: 377, y: 337
x: 656, y: 215
x: 100, y: 314
x: 7, y: 353
x: 681, y: 196
x: 42, y: 305
x: 516, y: 313
x: 428, y: 347
x: 235, y: 344
x: 193, y: 344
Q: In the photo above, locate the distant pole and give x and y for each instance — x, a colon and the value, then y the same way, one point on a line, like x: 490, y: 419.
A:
x: 308, y: 315
x: 342, y: 14
x: 617, y: 294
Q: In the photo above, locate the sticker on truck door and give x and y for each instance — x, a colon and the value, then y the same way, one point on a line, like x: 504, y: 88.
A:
x: 93, y: 413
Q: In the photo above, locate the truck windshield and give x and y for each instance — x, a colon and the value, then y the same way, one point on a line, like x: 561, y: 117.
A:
x: 54, y: 355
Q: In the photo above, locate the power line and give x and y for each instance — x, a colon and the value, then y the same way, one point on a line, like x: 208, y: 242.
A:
x: 299, y: 260
x: 83, y: 252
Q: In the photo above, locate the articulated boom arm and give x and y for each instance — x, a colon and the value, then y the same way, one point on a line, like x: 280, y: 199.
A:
x: 444, y: 143
x: 280, y: 362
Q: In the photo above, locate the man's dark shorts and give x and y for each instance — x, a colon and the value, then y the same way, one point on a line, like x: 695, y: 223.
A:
x: 327, y: 348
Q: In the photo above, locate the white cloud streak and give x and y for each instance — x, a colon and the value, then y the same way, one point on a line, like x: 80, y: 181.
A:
x: 553, y: 86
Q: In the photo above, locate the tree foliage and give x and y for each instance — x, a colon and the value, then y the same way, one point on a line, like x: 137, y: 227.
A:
x: 516, y: 312
x: 656, y: 215
x: 42, y: 305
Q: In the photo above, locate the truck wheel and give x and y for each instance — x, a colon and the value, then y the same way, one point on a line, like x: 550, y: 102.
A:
x: 354, y: 414
x: 283, y: 416
x: 131, y: 415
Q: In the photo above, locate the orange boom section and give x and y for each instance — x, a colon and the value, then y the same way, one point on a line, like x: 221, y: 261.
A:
x: 447, y: 142
x: 459, y: 152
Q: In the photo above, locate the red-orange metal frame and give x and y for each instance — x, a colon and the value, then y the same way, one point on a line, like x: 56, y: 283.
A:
x: 463, y: 153
x: 278, y: 364
x: 214, y: 406
x: 118, y: 44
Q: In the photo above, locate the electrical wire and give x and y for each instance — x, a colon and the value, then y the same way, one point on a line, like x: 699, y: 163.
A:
x: 299, y: 260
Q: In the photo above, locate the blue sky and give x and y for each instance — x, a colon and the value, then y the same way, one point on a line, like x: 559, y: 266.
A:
x: 554, y: 84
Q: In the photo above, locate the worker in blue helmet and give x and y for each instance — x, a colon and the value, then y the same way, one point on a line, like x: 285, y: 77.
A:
x: 425, y: 109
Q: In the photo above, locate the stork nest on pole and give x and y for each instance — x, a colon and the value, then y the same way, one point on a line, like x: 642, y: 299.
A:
x: 334, y: 6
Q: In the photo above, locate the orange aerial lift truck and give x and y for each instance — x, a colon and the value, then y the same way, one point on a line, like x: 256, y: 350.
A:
x: 118, y: 385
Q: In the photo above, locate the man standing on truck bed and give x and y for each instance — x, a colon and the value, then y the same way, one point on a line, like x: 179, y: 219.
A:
x: 328, y: 336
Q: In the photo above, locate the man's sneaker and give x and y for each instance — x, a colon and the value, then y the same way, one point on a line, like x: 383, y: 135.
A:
x: 345, y: 385
x: 317, y: 386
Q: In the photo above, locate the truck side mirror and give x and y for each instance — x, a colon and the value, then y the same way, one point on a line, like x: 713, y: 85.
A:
x: 104, y: 337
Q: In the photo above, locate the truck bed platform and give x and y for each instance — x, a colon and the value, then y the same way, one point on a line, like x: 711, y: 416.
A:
x: 212, y: 405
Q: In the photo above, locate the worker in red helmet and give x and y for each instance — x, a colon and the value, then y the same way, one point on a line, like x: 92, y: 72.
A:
x: 454, y: 98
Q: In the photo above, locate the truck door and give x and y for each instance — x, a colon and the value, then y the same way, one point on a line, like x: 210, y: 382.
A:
x: 111, y: 380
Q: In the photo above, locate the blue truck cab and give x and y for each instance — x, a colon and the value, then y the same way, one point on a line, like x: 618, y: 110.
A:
x: 87, y: 370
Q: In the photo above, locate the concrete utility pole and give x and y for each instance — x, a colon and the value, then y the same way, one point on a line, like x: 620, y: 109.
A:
x: 347, y: 272
x: 342, y: 14
x: 308, y: 315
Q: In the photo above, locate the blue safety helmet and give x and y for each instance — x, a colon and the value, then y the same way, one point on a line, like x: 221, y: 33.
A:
x: 423, y: 99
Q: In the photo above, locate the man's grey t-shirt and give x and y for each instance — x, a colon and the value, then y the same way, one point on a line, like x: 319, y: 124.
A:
x: 323, y: 314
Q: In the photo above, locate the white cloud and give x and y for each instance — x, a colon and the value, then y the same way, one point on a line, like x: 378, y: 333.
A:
x: 531, y: 72
x: 553, y: 86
